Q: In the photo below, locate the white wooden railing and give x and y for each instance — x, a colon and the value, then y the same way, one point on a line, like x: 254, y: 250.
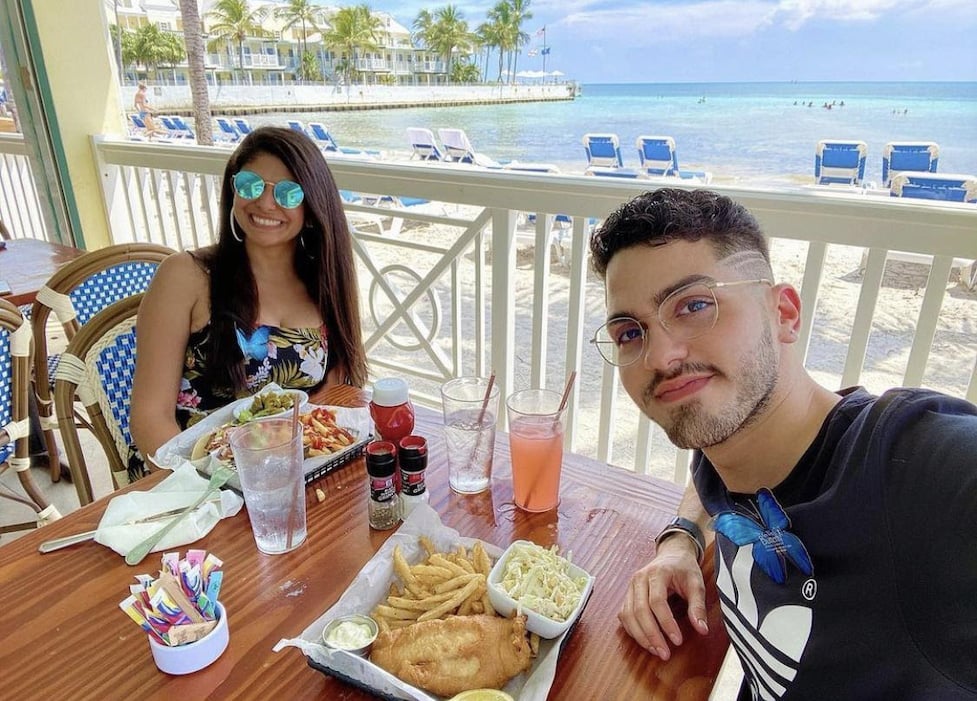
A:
x: 20, y: 209
x: 462, y: 285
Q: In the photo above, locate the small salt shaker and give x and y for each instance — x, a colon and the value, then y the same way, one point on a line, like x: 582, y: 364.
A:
x: 413, y: 462
x: 384, y: 506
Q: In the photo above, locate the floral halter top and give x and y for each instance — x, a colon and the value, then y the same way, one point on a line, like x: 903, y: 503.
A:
x: 291, y: 358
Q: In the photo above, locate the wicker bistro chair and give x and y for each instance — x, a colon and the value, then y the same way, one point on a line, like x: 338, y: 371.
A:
x: 97, y: 369
x: 15, y: 377
x: 76, y: 293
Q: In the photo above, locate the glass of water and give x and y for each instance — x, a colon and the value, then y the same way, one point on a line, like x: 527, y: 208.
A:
x: 268, y: 457
x: 470, y: 414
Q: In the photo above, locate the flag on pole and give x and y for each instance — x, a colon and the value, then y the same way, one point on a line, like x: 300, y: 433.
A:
x: 545, y: 51
x: 541, y: 31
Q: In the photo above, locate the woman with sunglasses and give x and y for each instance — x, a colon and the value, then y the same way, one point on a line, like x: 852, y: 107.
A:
x: 275, y: 300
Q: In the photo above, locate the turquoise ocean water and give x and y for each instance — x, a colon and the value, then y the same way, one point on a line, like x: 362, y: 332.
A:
x: 744, y: 131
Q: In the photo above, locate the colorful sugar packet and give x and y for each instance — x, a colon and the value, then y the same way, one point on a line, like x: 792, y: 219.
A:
x: 180, y: 605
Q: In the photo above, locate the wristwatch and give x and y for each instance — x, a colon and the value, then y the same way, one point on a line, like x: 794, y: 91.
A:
x: 689, y: 529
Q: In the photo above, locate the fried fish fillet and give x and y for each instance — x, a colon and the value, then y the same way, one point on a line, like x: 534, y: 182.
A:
x: 455, y: 654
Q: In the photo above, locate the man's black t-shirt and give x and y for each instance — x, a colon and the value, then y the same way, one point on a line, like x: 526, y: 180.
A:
x: 885, y: 501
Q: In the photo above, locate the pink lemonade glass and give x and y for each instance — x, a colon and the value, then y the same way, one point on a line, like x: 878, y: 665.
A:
x: 536, y: 425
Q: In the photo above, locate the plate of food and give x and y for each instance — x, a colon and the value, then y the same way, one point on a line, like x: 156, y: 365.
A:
x: 427, y: 589
x: 268, y: 405
x: 326, y: 443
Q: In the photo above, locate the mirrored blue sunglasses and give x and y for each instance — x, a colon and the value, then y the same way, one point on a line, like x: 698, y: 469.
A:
x: 249, y: 186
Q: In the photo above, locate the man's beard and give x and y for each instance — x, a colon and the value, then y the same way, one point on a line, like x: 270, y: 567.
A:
x: 755, y: 377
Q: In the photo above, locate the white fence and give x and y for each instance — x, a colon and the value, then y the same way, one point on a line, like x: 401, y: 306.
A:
x: 462, y: 284
x: 20, y: 209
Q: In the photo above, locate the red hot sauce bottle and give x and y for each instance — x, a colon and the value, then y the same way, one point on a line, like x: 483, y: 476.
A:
x: 392, y: 412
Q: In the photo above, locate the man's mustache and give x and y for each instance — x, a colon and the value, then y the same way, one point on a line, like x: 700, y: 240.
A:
x: 684, y: 369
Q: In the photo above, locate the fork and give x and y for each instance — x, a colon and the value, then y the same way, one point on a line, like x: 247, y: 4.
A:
x: 221, y: 474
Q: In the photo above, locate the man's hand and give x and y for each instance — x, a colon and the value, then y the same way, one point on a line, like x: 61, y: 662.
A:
x: 646, y: 614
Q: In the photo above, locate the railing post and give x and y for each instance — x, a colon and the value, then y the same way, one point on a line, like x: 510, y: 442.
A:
x: 503, y: 300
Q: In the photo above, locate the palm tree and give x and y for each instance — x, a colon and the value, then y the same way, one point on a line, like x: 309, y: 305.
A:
x: 446, y: 31
x: 501, y: 34
x: 152, y: 47
x: 193, y: 36
x: 311, y: 18
x: 353, y: 28
x: 232, y: 20
x: 520, y: 13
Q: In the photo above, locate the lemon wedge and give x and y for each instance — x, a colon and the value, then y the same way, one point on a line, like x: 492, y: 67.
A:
x: 482, y: 695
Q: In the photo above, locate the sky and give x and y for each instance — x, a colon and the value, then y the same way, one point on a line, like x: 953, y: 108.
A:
x: 628, y: 41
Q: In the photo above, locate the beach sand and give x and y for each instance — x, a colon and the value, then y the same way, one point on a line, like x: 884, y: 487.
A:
x: 949, y: 368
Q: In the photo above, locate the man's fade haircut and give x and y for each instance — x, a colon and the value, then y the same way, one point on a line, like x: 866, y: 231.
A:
x: 662, y: 216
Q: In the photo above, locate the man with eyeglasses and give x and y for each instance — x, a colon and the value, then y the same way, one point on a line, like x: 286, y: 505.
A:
x: 843, y: 522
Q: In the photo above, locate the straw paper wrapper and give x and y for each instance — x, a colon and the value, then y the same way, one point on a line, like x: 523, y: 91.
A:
x: 371, y: 587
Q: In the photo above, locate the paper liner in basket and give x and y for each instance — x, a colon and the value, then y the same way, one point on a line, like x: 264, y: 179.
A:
x: 370, y: 587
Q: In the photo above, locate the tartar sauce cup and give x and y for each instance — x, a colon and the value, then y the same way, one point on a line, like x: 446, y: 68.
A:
x: 354, y: 633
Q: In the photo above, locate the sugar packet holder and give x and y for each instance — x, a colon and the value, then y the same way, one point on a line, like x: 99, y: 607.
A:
x: 180, y: 605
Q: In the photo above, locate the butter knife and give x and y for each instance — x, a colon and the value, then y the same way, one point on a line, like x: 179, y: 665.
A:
x: 58, y: 543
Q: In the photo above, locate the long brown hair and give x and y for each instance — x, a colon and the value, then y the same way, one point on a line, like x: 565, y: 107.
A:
x: 323, y: 262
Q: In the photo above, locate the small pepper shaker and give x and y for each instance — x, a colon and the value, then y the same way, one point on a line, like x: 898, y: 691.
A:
x: 412, y: 457
x: 384, y: 506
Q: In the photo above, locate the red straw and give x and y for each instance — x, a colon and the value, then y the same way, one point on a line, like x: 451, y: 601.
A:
x: 481, y: 417
x: 485, y: 400
x: 566, y: 391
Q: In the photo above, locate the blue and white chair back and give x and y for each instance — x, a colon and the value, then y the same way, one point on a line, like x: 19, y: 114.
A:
x: 322, y: 137
x: 75, y: 294
x: 423, y: 145
x: 916, y: 156
x: 657, y: 155
x: 934, y: 186
x: 226, y: 131
x: 15, y: 345
x: 603, y: 151
x: 97, y: 369
x: 840, y: 162
x: 242, y: 125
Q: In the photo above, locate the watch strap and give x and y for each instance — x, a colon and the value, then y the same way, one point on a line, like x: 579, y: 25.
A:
x: 689, y: 529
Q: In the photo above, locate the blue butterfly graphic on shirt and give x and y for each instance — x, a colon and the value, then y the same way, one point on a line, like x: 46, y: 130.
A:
x: 257, y: 345
x: 770, y: 538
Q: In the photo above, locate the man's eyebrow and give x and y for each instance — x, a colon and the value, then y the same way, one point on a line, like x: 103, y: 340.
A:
x: 677, y: 285
x: 663, y: 293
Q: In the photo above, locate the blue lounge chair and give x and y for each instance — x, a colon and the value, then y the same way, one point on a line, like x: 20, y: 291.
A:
x: 182, y: 125
x: 242, y: 126
x: 840, y: 162
x: 176, y: 128
x: 298, y: 126
x: 660, y: 159
x: 327, y: 144
x: 916, y: 156
x: 227, y: 131
x: 459, y: 148
x: 603, y: 151
x: 934, y: 186
x: 423, y: 145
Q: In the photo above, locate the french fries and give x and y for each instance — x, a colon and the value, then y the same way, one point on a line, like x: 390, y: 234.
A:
x: 321, y: 435
x: 444, y: 584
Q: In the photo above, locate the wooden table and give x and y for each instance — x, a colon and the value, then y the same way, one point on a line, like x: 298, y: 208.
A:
x: 64, y: 636
x: 26, y: 264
